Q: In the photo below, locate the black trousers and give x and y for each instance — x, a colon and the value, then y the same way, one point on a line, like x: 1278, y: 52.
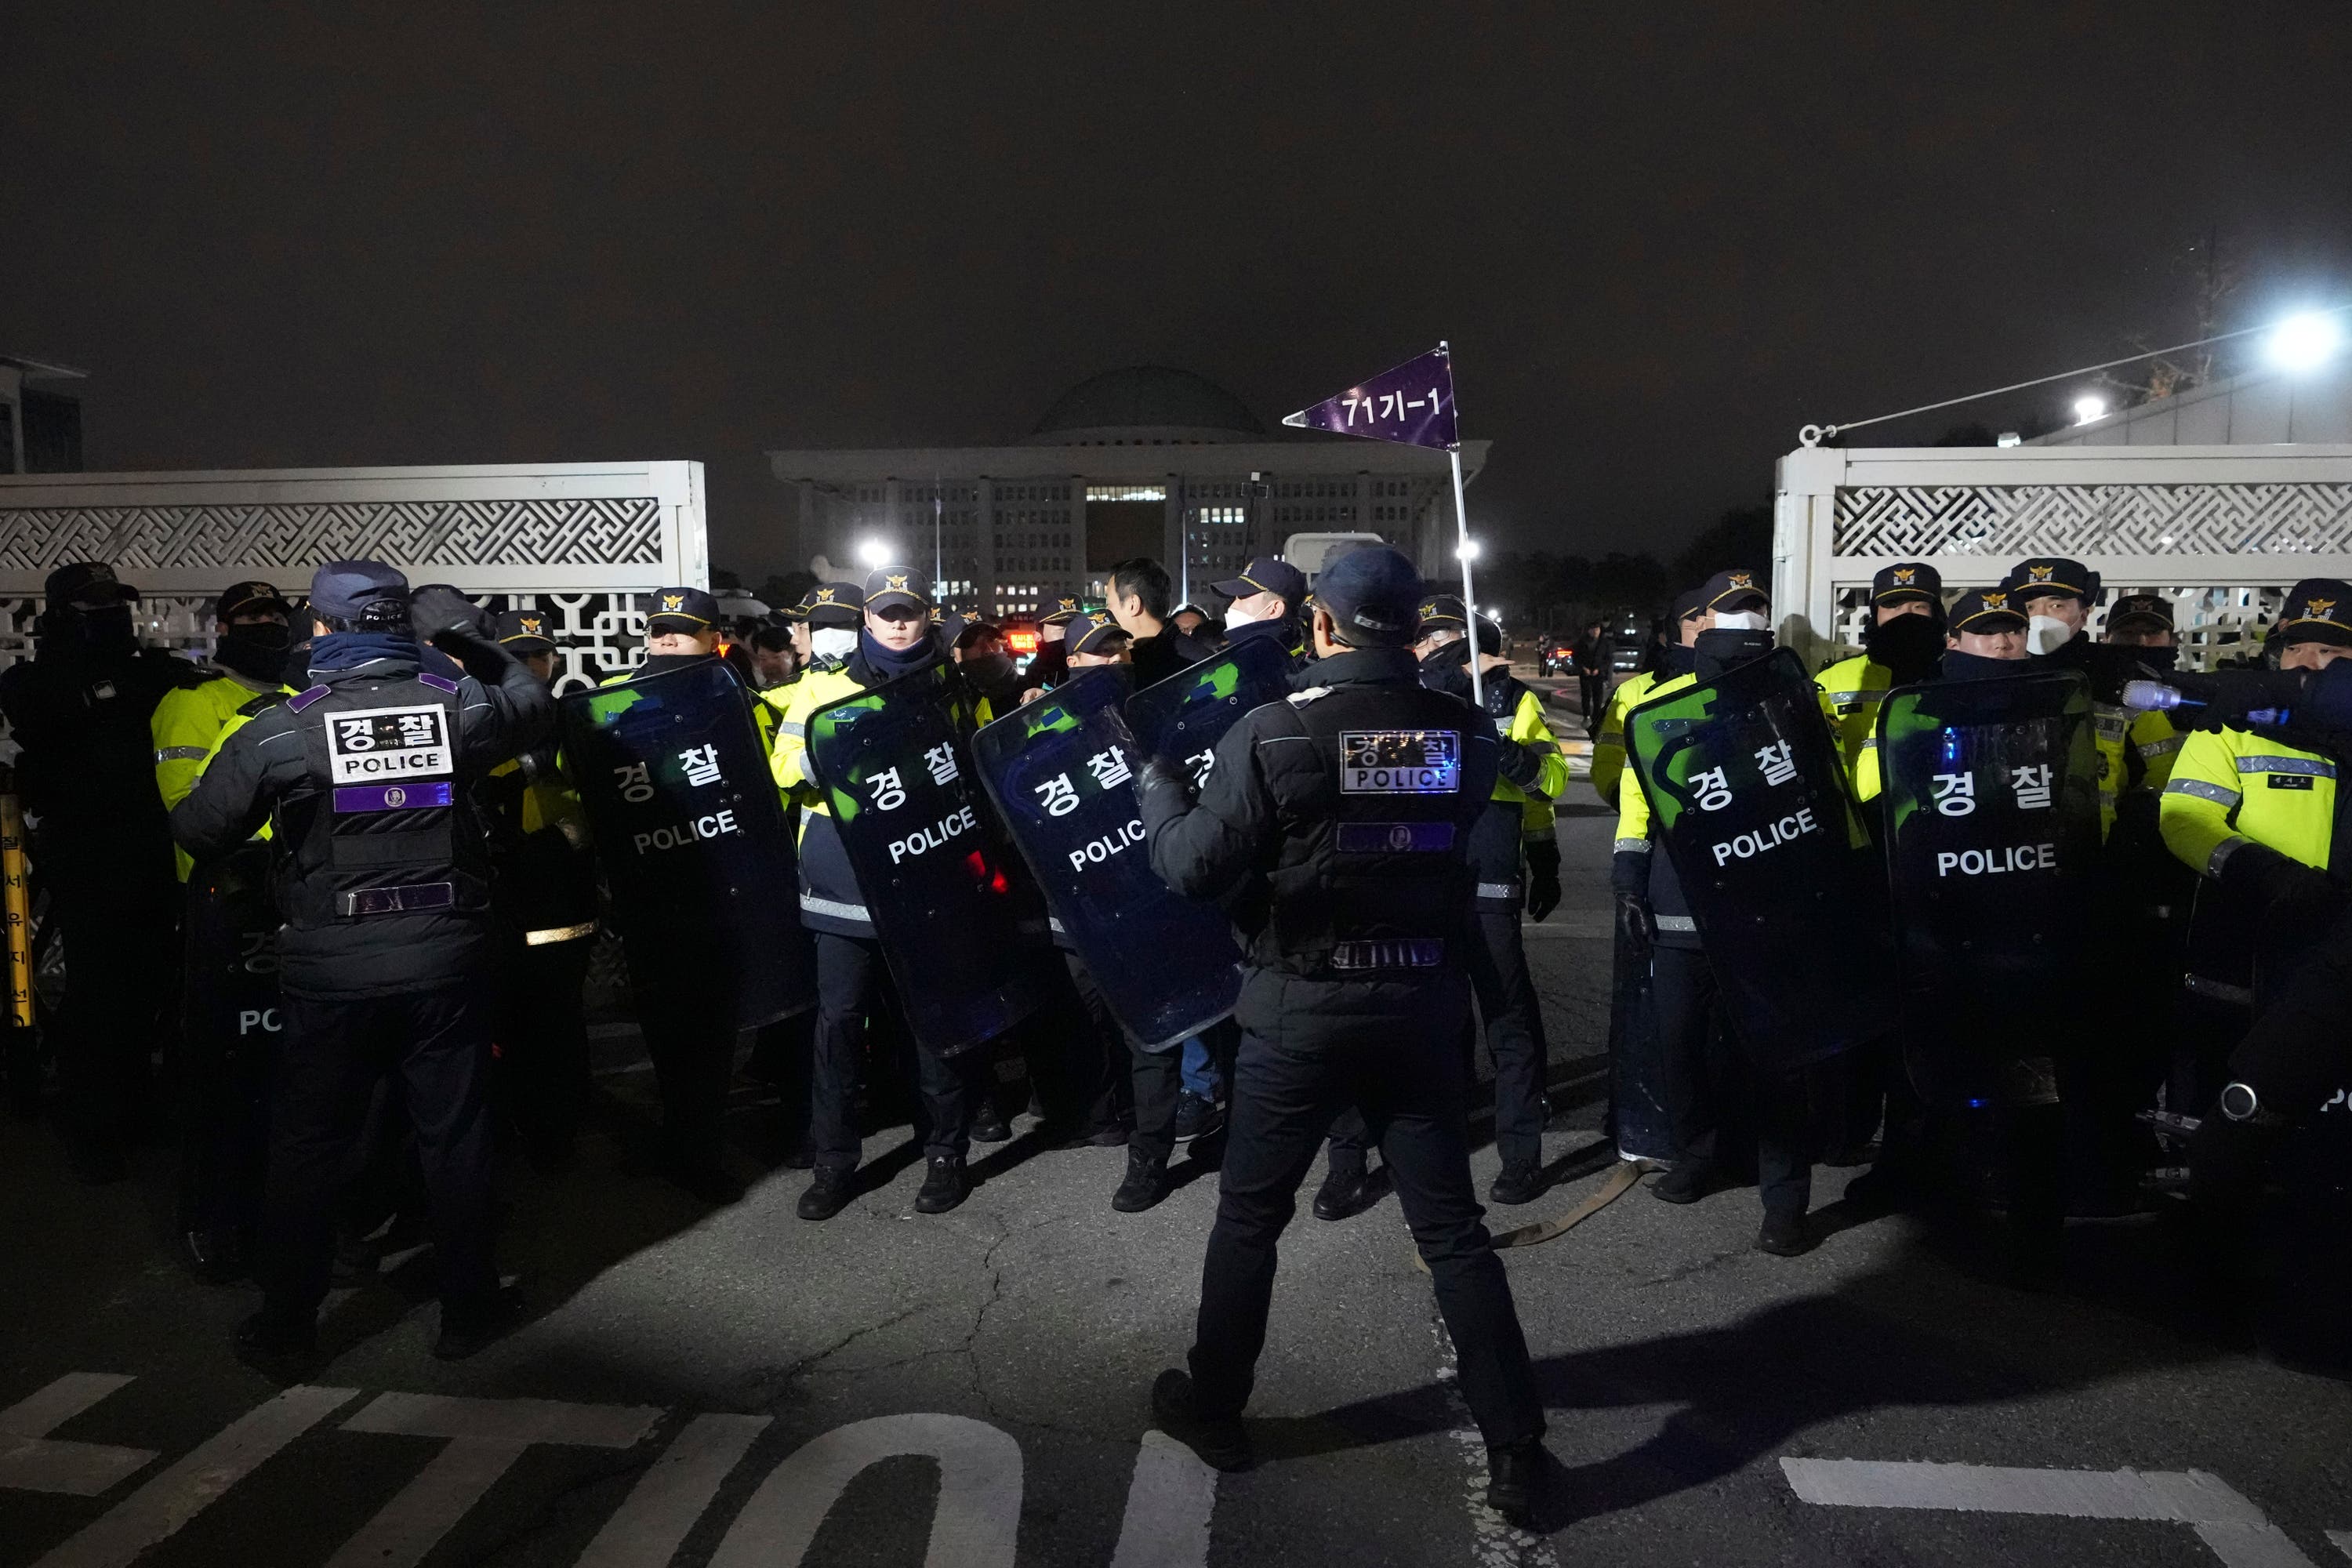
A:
x: 691, y: 1040
x: 437, y: 1045
x: 1708, y: 1075
x: 850, y: 979
x: 1077, y: 1053
x: 543, y: 1035
x: 1591, y: 692
x: 1154, y: 1079
x: 1412, y: 1096
x: 1513, y: 1015
x: 230, y: 1022
x: 121, y: 967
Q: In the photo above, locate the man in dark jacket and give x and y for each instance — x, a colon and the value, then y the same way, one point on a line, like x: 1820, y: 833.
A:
x: 366, y: 780
x: 1332, y: 827
x: 1139, y: 594
x: 79, y: 711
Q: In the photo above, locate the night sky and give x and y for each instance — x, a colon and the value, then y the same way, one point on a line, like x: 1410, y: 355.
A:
x: 343, y: 235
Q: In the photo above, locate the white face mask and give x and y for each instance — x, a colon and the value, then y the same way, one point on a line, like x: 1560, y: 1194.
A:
x: 1738, y: 621
x: 2047, y: 634
x: 1236, y: 616
x: 833, y: 642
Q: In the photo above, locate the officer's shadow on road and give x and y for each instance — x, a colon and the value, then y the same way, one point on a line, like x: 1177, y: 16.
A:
x: 1915, y: 1332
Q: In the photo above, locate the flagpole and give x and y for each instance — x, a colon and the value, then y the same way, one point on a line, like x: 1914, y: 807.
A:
x: 1469, y: 598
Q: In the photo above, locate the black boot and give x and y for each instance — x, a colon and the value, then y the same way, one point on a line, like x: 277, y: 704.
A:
x: 1346, y: 1191
x: 829, y: 1192
x: 1685, y: 1183
x: 1518, y: 1183
x: 946, y: 1185
x: 1220, y: 1440
x: 1514, y: 1475
x: 1146, y: 1184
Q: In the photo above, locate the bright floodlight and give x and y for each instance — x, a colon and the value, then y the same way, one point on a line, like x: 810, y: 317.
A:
x: 874, y: 553
x: 1493, y: 615
x: 1467, y: 550
x: 2305, y: 341
x: 2089, y: 408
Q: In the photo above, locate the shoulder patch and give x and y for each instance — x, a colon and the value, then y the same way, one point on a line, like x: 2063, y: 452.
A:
x: 1301, y: 699
x: 438, y: 682
x: 262, y: 703
x: 302, y: 699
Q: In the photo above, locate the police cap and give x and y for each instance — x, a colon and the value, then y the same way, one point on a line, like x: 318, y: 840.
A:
x: 1266, y: 575
x: 1095, y: 633
x: 2317, y: 609
x: 359, y: 591
x: 682, y: 610
x: 86, y: 586
x: 2151, y: 610
x: 1372, y: 594
x: 249, y: 599
x: 1905, y: 581
x: 1443, y: 612
x: 1689, y: 604
x: 2039, y: 575
x: 524, y: 631
x: 890, y: 585
x: 834, y: 604
x: 1987, y: 610
x: 1065, y: 610
x: 1732, y: 590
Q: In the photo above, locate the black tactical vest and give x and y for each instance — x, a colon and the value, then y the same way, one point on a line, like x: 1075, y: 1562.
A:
x: 378, y: 833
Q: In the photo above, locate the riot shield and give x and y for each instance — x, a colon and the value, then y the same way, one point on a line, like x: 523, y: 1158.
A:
x: 959, y: 925
x: 1181, y: 719
x: 1060, y: 770
x: 1637, y: 1069
x: 693, y: 839
x: 1990, y: 804
x: 1749, y: 798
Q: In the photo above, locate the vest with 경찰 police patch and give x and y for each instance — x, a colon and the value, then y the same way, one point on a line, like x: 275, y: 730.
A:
x: 381, y: 835
x: 1378, y: 884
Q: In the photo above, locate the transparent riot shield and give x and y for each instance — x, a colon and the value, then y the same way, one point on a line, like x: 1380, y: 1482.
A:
x: 1749, y: 798
x: 1181, y: 719
x: 1991, y: 801
x: 959, y: 925
x: 693, y: 839
x: 1061, y: 772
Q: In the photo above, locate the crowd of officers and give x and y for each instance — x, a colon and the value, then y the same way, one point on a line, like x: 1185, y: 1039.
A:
x: 2212, y: 885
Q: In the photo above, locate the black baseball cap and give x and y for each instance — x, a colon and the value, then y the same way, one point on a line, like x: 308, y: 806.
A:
x: 1905, y: 580
x: 349, y: 590
x: 888, y: 585
x: 1266, y: 575
x: 1731, y: 590
x: 1440, y: 611
x: 87, y: 584
x: 1689, y: 602
x: 2050, y: 575
x: 2317, y: 609
x: 2148, y: 609
x: 834, y: 604
x: 1095, y: 634
x: 1065, y: 610
x: 1372, y: 594
x: 682, y: 610
x: 1987, y: 610
x: 524, y: 631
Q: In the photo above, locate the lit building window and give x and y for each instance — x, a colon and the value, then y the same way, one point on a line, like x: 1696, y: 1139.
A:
x: 1126, y: 492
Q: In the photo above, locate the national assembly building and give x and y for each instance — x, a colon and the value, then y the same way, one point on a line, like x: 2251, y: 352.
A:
x: 1142, y: 461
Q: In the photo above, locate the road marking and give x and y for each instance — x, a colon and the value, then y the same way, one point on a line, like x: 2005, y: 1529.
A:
x: 651, y: 1522
x: 485, y: 1437
x: 33, y: 1461
x: 974, y: 1526
x: 182, y: 1492
x: 2233, y: 1528
x: 1169, y: 1502
x: 2341, y: 1540
x: 1494, y: 1541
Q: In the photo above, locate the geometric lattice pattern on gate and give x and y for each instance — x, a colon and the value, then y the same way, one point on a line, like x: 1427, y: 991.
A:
x: 618, y: 531
x: 2089, y: 521
x: 2214, y: 625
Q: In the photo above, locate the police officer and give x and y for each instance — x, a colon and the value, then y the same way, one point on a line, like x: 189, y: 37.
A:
x: 1901, y: 643
x: 1265, y: 601
x: 1688, y: 618
x: 383, y: 881
x: 79, y: 711
x: 543, y: 892
x: 893, y: 640
x: 1334, y: 827
x: 229, y: 1002
x: 1051, y: 663
x: 1704, y: 1057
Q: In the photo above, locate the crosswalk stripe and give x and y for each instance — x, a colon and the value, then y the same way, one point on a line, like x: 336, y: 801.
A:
x: 31, y: 1460
x: 1169, y: 1505
x: 653, y: 1519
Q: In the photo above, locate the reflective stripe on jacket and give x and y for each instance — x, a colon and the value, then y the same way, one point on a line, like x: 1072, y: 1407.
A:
x: 2229, y: 785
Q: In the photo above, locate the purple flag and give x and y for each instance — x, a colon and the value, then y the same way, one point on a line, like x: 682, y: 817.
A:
x: 1411, y: 402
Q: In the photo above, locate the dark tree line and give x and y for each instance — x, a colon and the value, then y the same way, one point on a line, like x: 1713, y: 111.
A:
x: 1559, y: 593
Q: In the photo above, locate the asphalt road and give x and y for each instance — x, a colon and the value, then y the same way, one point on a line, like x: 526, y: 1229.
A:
x: 737, y: 1386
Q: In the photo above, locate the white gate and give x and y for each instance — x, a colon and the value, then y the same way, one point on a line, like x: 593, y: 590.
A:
x: 583, y: 541
x: 2220, y: 530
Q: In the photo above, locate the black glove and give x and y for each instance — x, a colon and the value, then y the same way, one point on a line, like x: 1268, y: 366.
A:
x: 1543, y: 880
x: 2272, y: 880
x: 1633, y: 922
x: 436, y: 610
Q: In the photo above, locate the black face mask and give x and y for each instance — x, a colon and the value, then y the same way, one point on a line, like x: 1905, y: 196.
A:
x: 257, y: 652
x: 99, y: 633
x: 987, y: 669
x: 2162, y: 659
x: 1674, y: 659
x: 1909, y: 645
x: 1721, y: 649
x: 1960, y: 665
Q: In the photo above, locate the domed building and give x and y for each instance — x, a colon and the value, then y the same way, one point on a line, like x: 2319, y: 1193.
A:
x: 1146, y: 460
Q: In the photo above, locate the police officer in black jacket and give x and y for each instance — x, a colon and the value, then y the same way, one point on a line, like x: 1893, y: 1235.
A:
x: 1333, y: 826
x: 366, y: 778
x: 79, y: 710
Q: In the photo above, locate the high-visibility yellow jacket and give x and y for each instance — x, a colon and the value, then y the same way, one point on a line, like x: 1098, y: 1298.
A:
x: 187, y: 727
x: 2136, y: 751
x: 1530, y: 729
x: 1632, y: 805
x: 2230, y: 785
x: 1852, y: 690
x: 1609, y: 745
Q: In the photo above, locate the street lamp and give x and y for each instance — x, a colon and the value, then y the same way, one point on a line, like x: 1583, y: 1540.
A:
x: 1467, y: 550
x: 2305, y: 342
x: 2088, y: 409
x: 874, y: 553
